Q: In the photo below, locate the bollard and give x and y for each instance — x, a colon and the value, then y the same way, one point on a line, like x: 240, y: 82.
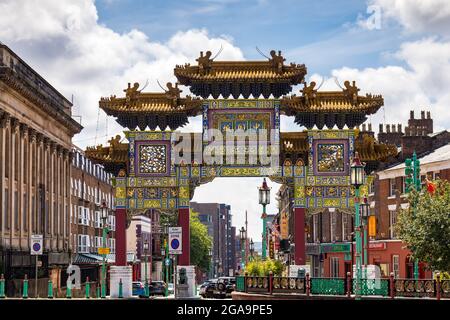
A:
x: 88, y: 288
x: 308, y: 285
x: 98, y: 290
x: 25, y: 288
x: 391, y: 284
x: 69, y: 291
x: 120, y: 289
x: 50, y: 289
x: 270, y: 282
x: 245, y: 282
x: 438, y: 286
x: 2, y: 286
x: 349, y: 285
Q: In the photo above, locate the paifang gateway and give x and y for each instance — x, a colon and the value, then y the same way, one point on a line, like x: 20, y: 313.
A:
x: 314, y: 163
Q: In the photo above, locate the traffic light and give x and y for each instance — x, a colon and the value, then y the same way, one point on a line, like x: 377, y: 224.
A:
x: 409, y: 175
x: 417, y: 182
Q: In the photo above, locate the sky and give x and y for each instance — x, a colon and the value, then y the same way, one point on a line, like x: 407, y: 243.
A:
x: 88, y: 49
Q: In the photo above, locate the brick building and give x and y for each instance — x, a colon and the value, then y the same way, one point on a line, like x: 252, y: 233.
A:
x: 217, y: 218
x: 90, y: 186
x: 36, y: 130
x: 330, y: 245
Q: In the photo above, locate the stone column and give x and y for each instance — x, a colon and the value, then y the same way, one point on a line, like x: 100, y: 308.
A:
x: 4, y: 123
x: 121, y: 241
x: 184, y: 259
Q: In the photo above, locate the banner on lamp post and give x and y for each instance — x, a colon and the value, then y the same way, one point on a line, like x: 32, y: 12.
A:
x: 284, y: 225
x: 372, y: 226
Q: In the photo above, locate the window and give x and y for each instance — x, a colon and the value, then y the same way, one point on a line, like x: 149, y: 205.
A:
x: 334, y: 267
x: 372, y: 187
x: 396, y: 265
x: 83, y: 216
x: 332, y: 226
x: 392, y: 221
x: 25, y: 211
x: 83, y: 243
x: 391, y: 187
x: 402, y: 185
x: 316, y: 228
x: 436, y: 175
x: 98, y: 220
x: 344, y: 226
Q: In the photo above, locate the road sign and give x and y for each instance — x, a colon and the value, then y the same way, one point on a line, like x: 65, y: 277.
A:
x: 167, y: 262
x: 36, y: 245
x: 103, y: 250
x: 175, y: 242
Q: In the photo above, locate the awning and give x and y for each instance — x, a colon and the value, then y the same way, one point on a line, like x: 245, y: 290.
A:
x: 93, y: 258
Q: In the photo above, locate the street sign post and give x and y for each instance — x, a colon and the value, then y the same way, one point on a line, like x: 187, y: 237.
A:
x: 36, y: 249
x: 175, y: 242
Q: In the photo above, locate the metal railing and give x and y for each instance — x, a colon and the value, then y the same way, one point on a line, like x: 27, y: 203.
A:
x: 383, y: 288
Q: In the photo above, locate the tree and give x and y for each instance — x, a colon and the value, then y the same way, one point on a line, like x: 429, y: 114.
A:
x: 201, y: 243
x: 425, y: 226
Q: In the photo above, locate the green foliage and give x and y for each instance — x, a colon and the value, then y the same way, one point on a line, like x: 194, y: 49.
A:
x: 425, y: 226
x: 201, y: 243
x: 263, y: 268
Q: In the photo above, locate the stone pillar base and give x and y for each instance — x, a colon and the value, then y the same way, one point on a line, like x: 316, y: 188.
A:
x: 186, y: 289
x: 126, y: 274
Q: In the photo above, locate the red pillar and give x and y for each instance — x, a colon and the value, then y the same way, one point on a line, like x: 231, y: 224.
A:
x: 121, y: 239
x: 299, y: 239
x: 184, y: 259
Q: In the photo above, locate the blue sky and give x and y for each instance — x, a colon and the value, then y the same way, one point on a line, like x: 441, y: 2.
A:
x: 299, y: 28
x: 90, y: 49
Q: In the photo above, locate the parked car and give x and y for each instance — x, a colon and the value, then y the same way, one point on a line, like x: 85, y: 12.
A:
x: 224, y: 287
x: 158, y: 288
x: 170, y: 288
x: 207, y: 288
x: 138, y: 289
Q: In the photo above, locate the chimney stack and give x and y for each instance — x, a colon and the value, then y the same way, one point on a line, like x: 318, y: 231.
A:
x: 370, y: 127
x: 393, y: 128
x: 422, y: 114
x: 381, y: 127
x: 428, y: 115
x: 363, y: 127
x: 411, y: 114
x: 388, y: 128
x: 399, y: 128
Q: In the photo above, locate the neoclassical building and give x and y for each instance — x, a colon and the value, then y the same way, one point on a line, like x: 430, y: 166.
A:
x: 36, y: 129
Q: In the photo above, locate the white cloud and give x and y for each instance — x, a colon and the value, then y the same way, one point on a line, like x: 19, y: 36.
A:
x: 431, y: 16
x: 420, y: 85
x: 65, y: 43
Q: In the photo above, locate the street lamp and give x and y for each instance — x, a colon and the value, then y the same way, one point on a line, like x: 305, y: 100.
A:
x: 104, y: 215
x: 252, y: 248
x: 365, y: 211
x: 264, y: 199
x: 242, y: 236
x: 357, y: 179
x: 147, y: 292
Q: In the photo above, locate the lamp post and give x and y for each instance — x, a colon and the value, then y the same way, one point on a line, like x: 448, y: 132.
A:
x: 365, y: 217
x: 264, y: 199
x: 357, y: 179
x: 147, y: 293
x: 104, y: 212
x: 412, y: 181
x: 242, y: 236
x: 252, y: 249
x: 166, y: 256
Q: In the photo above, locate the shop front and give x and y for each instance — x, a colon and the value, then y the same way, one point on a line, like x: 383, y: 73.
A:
x: 388, y: 255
